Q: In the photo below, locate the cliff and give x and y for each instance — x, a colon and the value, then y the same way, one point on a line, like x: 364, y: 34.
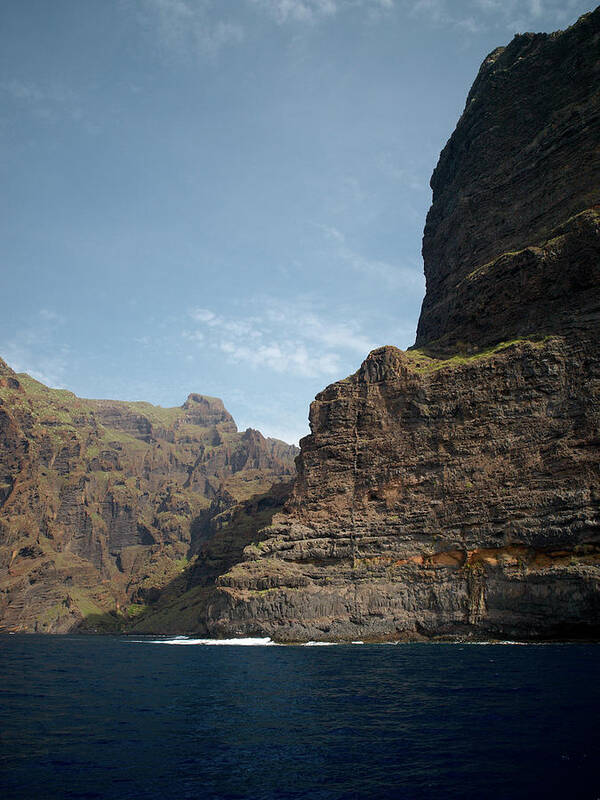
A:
x: 510, y: 241
x: 103, y: 504
x: 454, y: 489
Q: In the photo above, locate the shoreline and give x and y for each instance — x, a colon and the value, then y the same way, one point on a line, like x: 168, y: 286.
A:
x: 193, y: 638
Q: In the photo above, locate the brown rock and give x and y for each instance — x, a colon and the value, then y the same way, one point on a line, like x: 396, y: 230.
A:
x: 102, y: 502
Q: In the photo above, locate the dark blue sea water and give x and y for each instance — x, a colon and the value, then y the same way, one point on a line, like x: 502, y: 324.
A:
x: 108, y: 717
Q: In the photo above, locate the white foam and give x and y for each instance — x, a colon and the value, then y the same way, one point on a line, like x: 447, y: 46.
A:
x: 318, y: 644
x: 248, y: 642
x: 496, y: 642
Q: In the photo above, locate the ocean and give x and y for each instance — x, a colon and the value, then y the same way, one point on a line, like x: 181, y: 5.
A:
x: 117, y: 717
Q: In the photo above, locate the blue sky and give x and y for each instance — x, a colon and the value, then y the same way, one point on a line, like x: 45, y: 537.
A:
x: 226, y: 197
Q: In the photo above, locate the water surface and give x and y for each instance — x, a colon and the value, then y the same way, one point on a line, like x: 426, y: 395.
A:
x: 110, y: 717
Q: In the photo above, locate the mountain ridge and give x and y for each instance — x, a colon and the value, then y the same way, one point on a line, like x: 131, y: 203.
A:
x: 109, y: 497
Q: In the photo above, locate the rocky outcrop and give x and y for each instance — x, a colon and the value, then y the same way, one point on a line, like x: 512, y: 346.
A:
x: 103, y: 503
x: 454, y: 489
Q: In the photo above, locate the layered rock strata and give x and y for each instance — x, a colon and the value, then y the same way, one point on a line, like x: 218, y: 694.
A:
x: 511, y: 233
x: 454, y: 489
x: 103, y: 504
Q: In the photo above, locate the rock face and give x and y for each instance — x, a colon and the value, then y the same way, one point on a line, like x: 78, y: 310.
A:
x: 510, y: 240
x: 103, y: 504
x: 455, y: 488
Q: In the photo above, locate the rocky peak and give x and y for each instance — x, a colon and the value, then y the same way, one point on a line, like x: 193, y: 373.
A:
x: 207, y: 412
x: 251, y: 435
x: 8, y: 377
x: 382, y: 364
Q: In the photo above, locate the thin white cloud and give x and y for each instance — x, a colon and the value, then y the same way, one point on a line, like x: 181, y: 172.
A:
x: 283, y: 337
x: 523, y: 15
x: 398, y: 276
x: 443, y: 13
x: 46, y: 101
x: 34, y: 349
x: 26, y: 353
x: 203, y: 315
x: 313, y: 11
x: 340, y: 336
x: 316, y: 328
x: 479, y: 15
x: 202, y: 28
x: 51, y: 316
x: 297, y: 10
x: 536, y: 8
x: 434, y: 10
x: 193, y: 336
x: 287, y: 356
x: 394, y: 167
x: 189, y: 28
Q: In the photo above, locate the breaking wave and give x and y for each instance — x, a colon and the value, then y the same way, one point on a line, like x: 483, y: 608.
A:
x: 318, y: 644
x: 247, y: 642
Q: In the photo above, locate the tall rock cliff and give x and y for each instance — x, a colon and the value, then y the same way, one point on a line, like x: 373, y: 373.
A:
x: 104, y: 504
x: 455, y: 488
x: 510, y: 243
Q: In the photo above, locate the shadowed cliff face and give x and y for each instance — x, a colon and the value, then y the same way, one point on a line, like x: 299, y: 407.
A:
x: 455, y: 488
x: 511, y: 240
x: 103, y: 503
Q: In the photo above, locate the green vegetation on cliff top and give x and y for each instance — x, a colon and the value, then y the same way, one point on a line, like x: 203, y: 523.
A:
x: 422, y: 361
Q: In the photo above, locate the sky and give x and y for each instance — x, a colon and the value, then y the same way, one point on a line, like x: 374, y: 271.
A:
x: 226, y: 196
